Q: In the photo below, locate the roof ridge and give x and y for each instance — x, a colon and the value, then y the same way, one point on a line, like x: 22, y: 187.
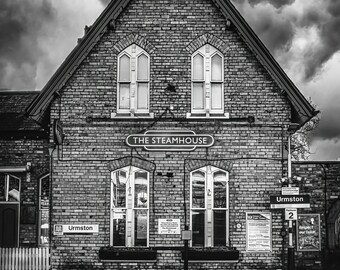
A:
x: 300, y: 104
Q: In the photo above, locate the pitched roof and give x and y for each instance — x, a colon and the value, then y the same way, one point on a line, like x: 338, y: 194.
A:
x: 301, y: 108
x: 13, y: 121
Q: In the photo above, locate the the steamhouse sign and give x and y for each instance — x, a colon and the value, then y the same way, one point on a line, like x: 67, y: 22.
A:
x: 170, y: 140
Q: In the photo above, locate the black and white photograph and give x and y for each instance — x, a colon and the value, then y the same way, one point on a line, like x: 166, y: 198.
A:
x: 169, y: 134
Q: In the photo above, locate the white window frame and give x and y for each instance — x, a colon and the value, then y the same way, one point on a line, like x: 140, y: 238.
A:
x: 209, y: 205
x: 133, y: 52
x: 207, y: 51
x: 7, y: 178
x: 129, y: 208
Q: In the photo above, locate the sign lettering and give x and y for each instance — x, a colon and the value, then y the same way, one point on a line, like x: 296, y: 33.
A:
x: 170, y: 140
x: 290, y: 201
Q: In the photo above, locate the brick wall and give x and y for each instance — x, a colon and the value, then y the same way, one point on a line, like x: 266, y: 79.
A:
x: 321, y: 182
x: 169, y: 31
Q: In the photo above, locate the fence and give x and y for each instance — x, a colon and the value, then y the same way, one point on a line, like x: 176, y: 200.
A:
x: 24, y: 258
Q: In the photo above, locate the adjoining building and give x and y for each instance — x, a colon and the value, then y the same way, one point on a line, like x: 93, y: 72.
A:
x: 159, y: 143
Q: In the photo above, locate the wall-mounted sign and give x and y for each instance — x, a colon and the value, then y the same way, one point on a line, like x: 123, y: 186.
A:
x: 290, y: 191
x: 290, y: 201
x: 259, y: 231
x: 169, y: 226
x: 170, y: 140
x: 308, y: 232
x: 290, y: 214
x: 76, y: 229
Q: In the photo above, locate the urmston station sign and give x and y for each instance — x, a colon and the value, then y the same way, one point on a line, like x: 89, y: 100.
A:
x: 170, y: 140
x: 290, y: 201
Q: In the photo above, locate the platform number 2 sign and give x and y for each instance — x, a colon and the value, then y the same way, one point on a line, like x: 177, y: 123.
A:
x: 290, y: 214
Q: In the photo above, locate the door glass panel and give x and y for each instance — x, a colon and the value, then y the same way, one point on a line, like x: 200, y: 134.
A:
x: 124, y: 68
x: 120, y: 186
x: 141, y: 227
x: 220, y: 190
x: 198, y: 189
x: 220, y: 230
x: 119, y: 222
x: 198, y: 96
x: 198, y: 65
x: 198, y: 228
x: 142, y: 96
x: 141, y: 189
x: 142, y: 68
x: 216, y: 68
x: 124, y: 96
x: 216, y: 96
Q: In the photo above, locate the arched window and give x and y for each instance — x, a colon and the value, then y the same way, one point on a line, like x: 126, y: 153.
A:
x: 207, y: 81
x: 129, y: 207
x: 133, y: 81
x: 209, y: 207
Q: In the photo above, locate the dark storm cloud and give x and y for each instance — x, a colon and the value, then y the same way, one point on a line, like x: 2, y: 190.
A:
x: 329, y: 128
x: 21, y: 24
x: 277, y: 28
x: 329, y: 39
x: 275, y: 3
x: 276, y: 31
x: 277, y: 34
x: 105, y: 2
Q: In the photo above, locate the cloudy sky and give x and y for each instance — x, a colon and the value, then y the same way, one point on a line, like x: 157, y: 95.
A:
x: 303, y: 36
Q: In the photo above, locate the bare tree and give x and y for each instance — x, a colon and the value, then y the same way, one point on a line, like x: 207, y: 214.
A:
x: 301, y: 139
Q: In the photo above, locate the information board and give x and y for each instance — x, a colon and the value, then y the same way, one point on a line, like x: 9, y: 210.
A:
x: 308, y: 232
x: 259, y: 231
x: 169, y: 226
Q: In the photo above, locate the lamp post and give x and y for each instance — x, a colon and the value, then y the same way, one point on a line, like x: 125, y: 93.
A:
x: 291, y: 262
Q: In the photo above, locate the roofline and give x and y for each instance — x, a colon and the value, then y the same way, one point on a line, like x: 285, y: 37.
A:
x: 112, y: 11
x: 18, y: 92
x: 65, y: 71
x: 326, y: 162
x: 268, y: 61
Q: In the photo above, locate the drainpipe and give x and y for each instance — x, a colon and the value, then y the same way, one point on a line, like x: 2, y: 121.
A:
x: 291, y: 262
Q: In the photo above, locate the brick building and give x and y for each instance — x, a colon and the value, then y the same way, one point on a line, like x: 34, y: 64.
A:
x: 168, y: 121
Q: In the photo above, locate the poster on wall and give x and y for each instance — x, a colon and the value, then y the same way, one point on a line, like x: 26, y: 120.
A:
x: 308, y: 232
x: 259, y: 231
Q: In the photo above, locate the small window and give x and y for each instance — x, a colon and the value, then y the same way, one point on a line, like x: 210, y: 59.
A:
x: 133, y: 81
x: 207, y: 81
x: 209, y: 207
x: 129, y: 207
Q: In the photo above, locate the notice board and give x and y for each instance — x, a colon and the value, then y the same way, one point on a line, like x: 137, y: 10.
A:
x: 259, y: 231
x: 308, y: 232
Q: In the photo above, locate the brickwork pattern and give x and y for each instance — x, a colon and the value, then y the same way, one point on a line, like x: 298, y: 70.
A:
x: 252, y: 153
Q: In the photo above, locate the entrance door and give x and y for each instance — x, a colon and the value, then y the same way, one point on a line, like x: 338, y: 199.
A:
x: 9, y: 217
